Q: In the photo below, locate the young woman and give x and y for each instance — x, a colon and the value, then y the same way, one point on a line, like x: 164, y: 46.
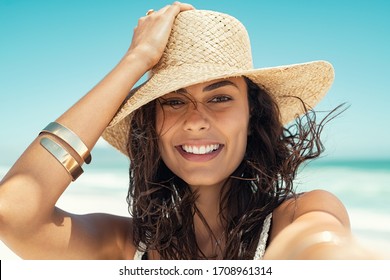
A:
x: 212, y: 165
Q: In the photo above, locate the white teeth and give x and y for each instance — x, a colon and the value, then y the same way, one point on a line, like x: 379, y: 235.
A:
x: 200, y: 150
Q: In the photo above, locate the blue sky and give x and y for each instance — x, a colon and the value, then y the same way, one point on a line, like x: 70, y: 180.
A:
x: 53, y: 52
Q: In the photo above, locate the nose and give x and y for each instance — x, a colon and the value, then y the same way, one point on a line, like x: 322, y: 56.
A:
x: 196, y: 119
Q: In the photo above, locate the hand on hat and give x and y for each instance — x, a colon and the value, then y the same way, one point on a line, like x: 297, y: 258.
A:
x: 152, y: 32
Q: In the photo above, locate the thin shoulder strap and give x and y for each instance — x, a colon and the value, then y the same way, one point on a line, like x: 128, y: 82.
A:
x: 139, y: 253
x: 260, y: 250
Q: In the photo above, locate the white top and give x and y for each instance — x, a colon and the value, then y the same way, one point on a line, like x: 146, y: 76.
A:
x: 260, y: 250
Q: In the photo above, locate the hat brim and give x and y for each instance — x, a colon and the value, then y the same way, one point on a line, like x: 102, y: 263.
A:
x: 287, y: 84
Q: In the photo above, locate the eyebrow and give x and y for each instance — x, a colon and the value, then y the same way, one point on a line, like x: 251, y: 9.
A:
x: 211, y: 87
x: 219, y: 84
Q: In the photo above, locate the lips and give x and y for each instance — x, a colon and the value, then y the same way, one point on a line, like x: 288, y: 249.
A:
x: 199, y: 153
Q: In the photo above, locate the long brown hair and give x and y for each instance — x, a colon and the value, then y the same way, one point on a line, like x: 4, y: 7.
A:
x: 163, y: 206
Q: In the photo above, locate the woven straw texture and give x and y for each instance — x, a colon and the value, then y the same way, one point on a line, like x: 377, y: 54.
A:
x: 207, y: 45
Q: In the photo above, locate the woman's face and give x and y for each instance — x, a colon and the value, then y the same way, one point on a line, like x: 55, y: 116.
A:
x: 203, y: 130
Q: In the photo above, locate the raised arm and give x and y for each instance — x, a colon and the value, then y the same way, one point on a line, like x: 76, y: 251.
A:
x: 30, y: 224
x: 314, y: 226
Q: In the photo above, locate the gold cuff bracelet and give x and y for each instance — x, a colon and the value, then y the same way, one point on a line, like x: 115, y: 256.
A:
x: 70, y: 138
x: 68, y: 162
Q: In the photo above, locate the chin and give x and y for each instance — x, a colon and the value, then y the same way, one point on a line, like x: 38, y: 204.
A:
x: 201, y: 182
x: 205, y: 176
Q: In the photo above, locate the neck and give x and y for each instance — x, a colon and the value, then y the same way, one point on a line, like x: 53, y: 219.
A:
x: 208, y: 203
x: 209, y: 229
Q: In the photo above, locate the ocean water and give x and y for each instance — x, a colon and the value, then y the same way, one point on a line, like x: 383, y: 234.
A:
x: 362, y: 185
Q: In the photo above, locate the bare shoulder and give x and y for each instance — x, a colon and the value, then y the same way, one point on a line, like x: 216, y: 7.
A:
x: 316, y: 201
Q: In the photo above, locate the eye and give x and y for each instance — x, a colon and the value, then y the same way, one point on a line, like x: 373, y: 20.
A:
x: 174, y: 103
x: 220, y: 99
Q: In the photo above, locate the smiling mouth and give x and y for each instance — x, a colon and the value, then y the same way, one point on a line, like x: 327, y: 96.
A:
x: 200, y: 150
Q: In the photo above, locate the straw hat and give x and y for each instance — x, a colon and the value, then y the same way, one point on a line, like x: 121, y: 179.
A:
x: 207, y: 45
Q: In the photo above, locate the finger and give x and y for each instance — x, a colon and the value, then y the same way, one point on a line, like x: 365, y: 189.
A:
x: 184, y: 6
x: 175, y: 8
x: 178, y: 7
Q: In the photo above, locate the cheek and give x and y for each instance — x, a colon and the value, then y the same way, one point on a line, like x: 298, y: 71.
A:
x: 237, y: 127
x: 238, y: 122
x: 241, y: 132
x: 166, y: 121
x: 239, y: 142
x: 164, y: 129
x: 159, y: 122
